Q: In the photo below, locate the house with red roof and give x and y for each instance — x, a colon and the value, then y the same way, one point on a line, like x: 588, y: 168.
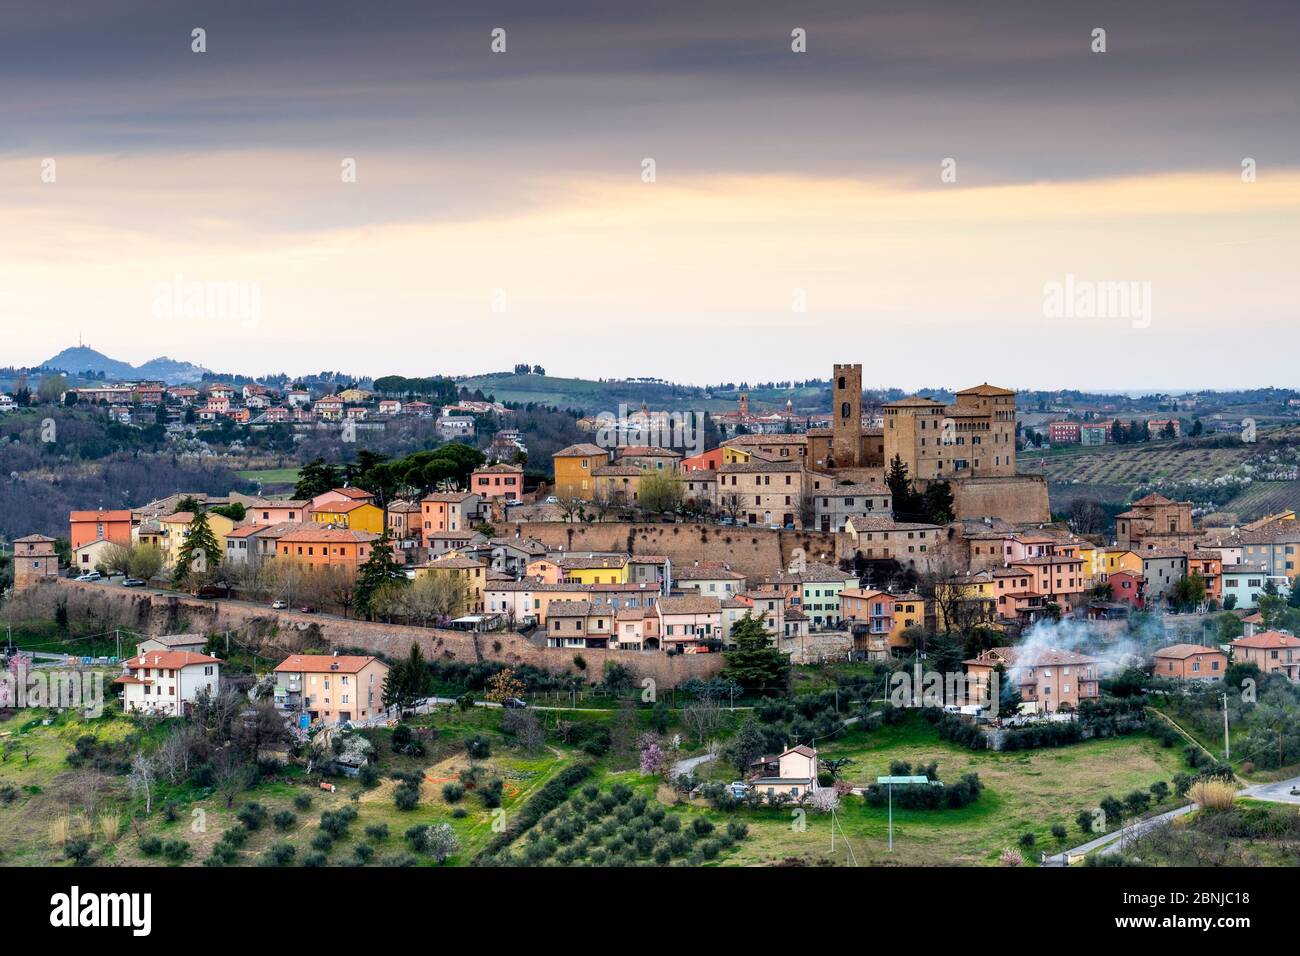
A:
x: 167, y: 682
x: 1274, y: 652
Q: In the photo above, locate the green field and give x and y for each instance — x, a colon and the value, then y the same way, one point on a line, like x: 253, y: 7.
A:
x: 271, y: 476
x: 1130, y: 464
x: 44, y: 801
x: 1024, y: 791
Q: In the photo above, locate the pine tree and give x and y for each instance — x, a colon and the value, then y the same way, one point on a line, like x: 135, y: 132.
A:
x: 408, y: 681
x: 908, y: 504
x: 379, y: 569
x: 753, y: 662
x: 201, y: 541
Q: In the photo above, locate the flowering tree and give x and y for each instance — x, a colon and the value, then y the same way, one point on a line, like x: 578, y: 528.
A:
x: 825, y: 799
x: 654, y: 760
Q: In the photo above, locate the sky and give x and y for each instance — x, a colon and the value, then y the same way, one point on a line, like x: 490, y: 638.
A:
x: 946, y: 192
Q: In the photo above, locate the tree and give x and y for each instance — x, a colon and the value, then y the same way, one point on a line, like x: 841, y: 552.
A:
x: 752, y: 661
x: 140, y: 779
x: 747, y: 746
x: 378, y: 570
x: 660, y: 492
x: 703, y: 716
x: 907, y: 504
x: 199, y: 552
x: 146, y: 561
x: 408, y: 681
x: 504, y: 684
x: 315, y: 478
x: 937, y: 502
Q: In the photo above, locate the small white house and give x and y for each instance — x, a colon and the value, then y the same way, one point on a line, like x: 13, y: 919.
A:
x: 793, y: 773
x: 167, y: 683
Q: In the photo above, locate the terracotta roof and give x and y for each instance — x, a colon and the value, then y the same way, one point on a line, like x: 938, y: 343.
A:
x: 1044, y: 657
x: 582, y: 450
x: 688, y: 605
x: 124, y: 515
x: 171, y: 660
x: 324, y: 663
x: 450, y: 497
x: 1268, y: 639
x: 1183, y: 651
x: 616, y: 471
x: 315, y: 533
x: 645, y: 451
x: 453, y: 561
x: 986, y: 389
x: 341, y: 507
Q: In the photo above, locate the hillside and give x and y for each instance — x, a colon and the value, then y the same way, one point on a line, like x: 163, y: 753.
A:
x: 82, y: 360
x: 595, y: 396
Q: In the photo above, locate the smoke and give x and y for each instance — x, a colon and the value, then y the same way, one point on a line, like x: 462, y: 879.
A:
x: 1116, y: 648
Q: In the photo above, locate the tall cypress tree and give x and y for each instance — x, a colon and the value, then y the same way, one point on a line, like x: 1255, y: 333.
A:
x: 201, y: 540
x: 379, y: 569
x: 753, y: 662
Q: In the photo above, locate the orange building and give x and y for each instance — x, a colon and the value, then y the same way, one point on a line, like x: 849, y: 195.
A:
x: 1271, y: 651
x: 498, y: 481
x: 321, y: 547
x: 1189, y: 662
x: 88, y: 526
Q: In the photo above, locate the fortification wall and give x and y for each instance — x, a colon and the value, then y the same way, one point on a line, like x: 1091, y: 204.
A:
x: 751, y: 551
x: 291, y: 631
x: 1018, y: 499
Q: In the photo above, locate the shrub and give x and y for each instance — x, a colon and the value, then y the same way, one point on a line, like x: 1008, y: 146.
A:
x: 737, y: 830
x: 491, y: 794
x: 302, y: 801
x: 460, y: 813
x: 1214, y: 794
x: 322, y: 842
x: 1027, y: 840
x: 378, y: 832
x: 151, y: 846
x: 315, y: 858
x: 176, y: 850
x: 1059, y: 833
x: 406, y: 797
x: 236, y: 835
x: 252, y: 815
x: 363, y: 852
x: 284, y: 819
x: 702, y: 826
x: 479, y: 748
x: 452, y: 792
x: 279, y: 854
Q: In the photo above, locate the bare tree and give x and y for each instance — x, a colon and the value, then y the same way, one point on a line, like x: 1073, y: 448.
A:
x: 141, y: 779
x: 704, y: 717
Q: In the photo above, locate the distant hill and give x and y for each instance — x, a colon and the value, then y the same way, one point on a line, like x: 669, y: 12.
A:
x: 81, y: 360
x: 592, y: 396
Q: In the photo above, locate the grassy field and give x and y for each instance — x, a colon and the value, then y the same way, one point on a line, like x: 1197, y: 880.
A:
x: 271, y: 476
x: 1130, y: 464
x: 1263, y: 498
x: 44, y: 801
x: 1024, y: 791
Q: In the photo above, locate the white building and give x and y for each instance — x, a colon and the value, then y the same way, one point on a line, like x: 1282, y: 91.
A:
x: 167, y: 683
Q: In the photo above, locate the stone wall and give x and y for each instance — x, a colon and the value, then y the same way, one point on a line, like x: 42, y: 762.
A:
x: 290, y: 631
x: 751, y: 551
x: 1020, y: 499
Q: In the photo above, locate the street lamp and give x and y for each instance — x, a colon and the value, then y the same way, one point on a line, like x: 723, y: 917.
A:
x: 906, y: 780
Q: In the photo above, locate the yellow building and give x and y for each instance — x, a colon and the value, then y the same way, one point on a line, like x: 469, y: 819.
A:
x: 174, y: 529
x: 966, y: 602
x: 573, y: 470
x: 594, y: 569
x: 352, y: 515
x: 1122, y: 559
x: 472, y: 574
x: 616, y: 485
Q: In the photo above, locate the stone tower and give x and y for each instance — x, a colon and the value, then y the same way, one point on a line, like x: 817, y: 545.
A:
x: 744, y: 405
x: 34, y: 561
x: 846, y: 416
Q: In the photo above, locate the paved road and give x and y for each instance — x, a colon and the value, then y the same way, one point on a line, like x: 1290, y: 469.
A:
x: 1278, y: 792
x: 687, y: 767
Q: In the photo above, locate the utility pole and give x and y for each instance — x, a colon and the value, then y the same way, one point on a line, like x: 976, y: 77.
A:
x: 1227, y: 750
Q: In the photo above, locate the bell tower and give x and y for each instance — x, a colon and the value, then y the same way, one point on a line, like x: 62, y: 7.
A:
x: 846, y: 416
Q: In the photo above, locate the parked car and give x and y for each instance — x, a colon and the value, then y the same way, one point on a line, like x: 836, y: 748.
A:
x: 514, y: 703
x: 133, y: 582
x: 89, y: 576
x: 306, y: 609
x: 279, y: 605
x: 552, y: 500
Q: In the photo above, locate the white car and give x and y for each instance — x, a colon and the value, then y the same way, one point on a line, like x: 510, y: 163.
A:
x: 89, y: 576
x: 279, y: 605
x: 552, y: 500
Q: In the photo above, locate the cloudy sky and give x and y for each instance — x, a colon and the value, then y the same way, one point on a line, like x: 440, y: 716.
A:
x: 798, y: 213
